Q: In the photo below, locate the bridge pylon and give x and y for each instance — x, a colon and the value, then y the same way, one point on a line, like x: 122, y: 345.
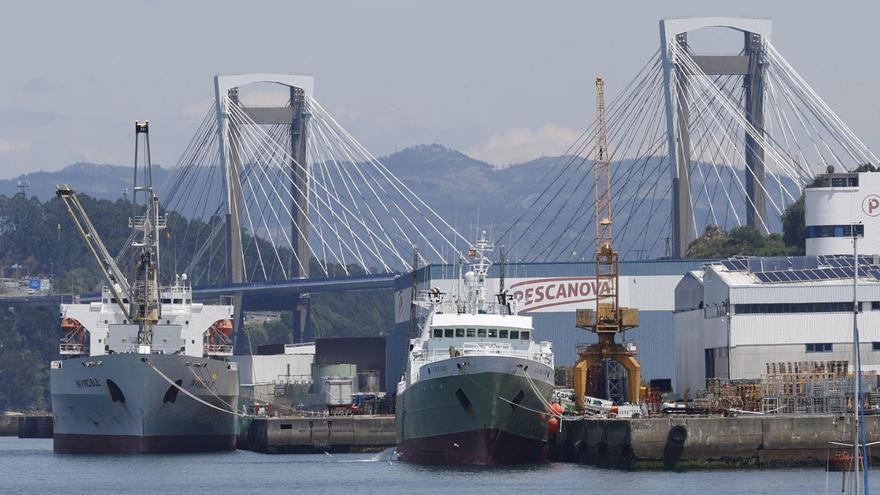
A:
x: 296, y: 115
x: 751, y: 65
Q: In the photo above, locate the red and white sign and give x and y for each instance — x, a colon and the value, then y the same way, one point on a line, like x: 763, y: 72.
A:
x: 540, y: 293
x: 871, y: 205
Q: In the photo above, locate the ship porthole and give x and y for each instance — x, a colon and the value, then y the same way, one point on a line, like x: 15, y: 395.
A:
x: 115, y: 392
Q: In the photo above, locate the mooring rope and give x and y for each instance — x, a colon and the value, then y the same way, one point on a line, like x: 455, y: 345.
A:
x: 548, y: 412
x: 192, y: 396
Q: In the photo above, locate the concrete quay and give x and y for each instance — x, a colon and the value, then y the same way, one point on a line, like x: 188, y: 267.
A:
x: 707, y: 442
x: 33, y: 426
x: 289, y: 435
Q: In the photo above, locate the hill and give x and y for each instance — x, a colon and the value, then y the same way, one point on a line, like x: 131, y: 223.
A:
x: 464, y: 191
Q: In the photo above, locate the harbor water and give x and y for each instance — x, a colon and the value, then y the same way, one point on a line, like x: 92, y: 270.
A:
x: 30, y: 466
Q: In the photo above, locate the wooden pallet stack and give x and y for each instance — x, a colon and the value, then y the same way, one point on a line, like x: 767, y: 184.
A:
x: 806, y: 387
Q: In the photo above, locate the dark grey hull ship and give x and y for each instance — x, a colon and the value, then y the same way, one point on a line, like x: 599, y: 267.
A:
x: 121, y: 403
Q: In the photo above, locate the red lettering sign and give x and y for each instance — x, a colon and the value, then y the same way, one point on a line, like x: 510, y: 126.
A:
x: 543, y: 293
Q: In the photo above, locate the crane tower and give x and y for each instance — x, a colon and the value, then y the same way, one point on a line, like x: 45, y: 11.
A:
x: 596, y: 363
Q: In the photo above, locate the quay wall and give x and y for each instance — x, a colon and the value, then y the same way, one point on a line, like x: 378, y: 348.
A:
x: 317, y: 434
x: 707, y: 442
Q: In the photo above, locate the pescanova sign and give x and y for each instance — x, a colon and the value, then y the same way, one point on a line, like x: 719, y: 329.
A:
x: 540, y: 293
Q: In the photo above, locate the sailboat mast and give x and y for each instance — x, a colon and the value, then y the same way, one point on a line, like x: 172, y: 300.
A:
x: 857, y: 386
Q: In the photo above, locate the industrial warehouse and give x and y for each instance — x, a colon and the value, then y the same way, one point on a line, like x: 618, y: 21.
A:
x: 738, y: 319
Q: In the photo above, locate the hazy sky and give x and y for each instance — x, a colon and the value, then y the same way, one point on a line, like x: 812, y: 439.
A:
x: 503, y: 81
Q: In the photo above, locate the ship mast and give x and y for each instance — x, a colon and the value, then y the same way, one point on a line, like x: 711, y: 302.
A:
x: 145, y: 308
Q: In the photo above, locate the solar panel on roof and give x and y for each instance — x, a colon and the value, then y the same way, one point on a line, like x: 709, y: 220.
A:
x: 811, y: 262
x: 755, y: 265
x: 762, y: 277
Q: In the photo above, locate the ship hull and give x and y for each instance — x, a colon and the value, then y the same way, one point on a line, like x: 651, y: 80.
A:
x: 120, y: 403
x: 484, y: 412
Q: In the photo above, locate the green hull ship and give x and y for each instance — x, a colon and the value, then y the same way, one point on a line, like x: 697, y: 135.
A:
x: 477, y: 387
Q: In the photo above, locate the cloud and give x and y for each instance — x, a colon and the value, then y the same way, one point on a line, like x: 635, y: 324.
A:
x: 7, y: 146
x: 38, y: 85
x: 520, y: 144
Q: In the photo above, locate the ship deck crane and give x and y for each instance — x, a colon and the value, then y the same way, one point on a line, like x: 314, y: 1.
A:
x: 139, y: 302
x: 608, y: 318
x: 116, y: 280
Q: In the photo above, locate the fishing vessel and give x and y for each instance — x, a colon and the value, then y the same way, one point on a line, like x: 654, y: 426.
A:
x: 145, y: 369
x: 477, y: 387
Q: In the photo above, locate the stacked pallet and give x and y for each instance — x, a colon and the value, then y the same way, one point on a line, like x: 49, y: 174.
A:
x: 740, y: 395
x: 809, y: 387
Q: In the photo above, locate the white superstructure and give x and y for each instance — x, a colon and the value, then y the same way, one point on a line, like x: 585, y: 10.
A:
x: 470, y: 323
x: 185, y: 327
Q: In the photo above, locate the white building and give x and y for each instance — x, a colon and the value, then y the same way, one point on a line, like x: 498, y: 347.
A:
x: 292, y: 365
x: 735, y: 316
x: 831, y: 212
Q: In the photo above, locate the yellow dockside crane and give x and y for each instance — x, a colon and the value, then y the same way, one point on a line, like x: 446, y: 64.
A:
x: 608, y: 318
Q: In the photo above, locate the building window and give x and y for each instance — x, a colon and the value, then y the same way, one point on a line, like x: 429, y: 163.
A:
x: 820, y: 347
x: 816, y: 231
x: 709, y: 355
x: 815, y: 307
x: 875, y: 346
x: 845, y: 181
x: 875, y: 305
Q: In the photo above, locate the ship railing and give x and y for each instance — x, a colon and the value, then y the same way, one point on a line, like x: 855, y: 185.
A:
x: 218, y: 349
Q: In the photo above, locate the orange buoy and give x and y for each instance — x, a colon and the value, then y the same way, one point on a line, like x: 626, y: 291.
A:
x: 557, y: 409
x: 552, y: 425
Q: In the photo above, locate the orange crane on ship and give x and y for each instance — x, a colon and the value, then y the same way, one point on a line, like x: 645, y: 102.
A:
x: 608, y: 318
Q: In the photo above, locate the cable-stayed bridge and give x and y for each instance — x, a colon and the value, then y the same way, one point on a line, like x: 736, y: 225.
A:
x: 273, y: 202
x: 695, y: 140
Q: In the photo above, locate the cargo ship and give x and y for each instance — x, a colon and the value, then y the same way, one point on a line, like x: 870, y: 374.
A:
x: 145, y: 369
x: 477, y: 387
